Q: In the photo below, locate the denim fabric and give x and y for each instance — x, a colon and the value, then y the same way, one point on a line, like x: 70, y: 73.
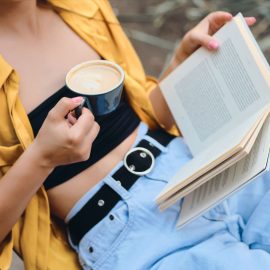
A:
x: 136, y: 235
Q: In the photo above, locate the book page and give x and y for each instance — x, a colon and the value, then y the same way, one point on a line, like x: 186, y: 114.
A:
x: 230, y: 180
x: 212, y: 92
x: 182, y: 188
x: 213, y: 157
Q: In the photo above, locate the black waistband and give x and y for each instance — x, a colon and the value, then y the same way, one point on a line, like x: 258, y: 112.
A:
x: 106, y: 198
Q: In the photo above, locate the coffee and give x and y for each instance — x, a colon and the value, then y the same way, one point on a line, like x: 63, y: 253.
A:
x: 100, y: 81
x: 94, y: 77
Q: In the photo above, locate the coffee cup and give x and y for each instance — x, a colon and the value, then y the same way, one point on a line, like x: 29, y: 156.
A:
x: 100, y: 82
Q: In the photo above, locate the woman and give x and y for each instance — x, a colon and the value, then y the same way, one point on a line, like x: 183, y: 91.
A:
x: 42, y: 44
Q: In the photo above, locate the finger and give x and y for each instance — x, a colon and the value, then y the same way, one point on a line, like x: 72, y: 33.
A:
x: 68, y: 123
x: 73, y: 114
x: 84, y: 123
x: 89, y: 139
x: 64, y: 106
x: 92, y: 134
x: 217, y: 19
x: 72, y: 120
x: 204, y: 40
x: 250, y: 20
x: 78, y: 110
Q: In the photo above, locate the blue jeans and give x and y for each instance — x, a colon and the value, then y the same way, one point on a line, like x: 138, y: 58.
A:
x: 233, y: 235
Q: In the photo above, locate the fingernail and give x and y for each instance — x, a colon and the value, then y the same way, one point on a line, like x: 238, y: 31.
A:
x: 229, y: 16
x: 77, y: 99
x: 213, y: 45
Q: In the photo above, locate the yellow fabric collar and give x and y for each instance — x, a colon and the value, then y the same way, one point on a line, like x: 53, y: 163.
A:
x: 6, y: 70
x: 86, y: 8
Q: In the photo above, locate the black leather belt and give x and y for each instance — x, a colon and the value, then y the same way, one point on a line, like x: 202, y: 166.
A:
x: 138, y: 161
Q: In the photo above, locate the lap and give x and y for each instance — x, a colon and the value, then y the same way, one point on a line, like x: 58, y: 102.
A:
x: 221, y: 251
x: 233, y: 234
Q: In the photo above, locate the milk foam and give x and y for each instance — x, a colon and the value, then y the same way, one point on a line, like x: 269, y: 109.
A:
x: 93, y: 79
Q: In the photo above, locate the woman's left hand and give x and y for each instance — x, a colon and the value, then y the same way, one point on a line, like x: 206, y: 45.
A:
x: 201, y: 35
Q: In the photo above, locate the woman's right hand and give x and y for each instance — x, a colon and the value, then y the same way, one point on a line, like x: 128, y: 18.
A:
x: 61, y: 141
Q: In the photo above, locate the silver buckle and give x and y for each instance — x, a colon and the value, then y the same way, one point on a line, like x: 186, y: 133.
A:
x: 131, y: 168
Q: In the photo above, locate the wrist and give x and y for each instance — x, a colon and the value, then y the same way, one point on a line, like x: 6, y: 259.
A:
x: 38, y: 158
x: 179, y: 57
x: 172, y: 65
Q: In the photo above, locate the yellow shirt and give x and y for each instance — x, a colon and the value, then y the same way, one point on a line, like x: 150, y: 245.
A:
x: 36, y: 237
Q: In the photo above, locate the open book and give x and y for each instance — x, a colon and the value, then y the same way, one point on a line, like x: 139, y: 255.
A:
x: 221, y: 103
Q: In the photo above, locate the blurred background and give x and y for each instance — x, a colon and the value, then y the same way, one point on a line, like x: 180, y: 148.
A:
x: 156, y: 26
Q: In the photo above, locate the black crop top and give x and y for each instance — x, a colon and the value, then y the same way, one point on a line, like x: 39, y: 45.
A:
x: 114, y: 128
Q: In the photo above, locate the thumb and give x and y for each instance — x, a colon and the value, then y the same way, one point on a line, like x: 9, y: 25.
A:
x: 65, y: 105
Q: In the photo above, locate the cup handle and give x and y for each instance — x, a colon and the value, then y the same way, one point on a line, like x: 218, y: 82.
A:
x: 88, y: 105
x: 78, y: 110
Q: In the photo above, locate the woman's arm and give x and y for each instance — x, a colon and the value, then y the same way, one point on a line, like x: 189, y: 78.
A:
x: 58, y: 142
x: 18, y: 186
x: 200, y: 35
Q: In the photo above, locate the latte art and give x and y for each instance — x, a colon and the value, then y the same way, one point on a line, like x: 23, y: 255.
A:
x: 94, y: 79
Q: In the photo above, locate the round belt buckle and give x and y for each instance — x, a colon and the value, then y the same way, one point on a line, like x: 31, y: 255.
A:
x: 143, y: 154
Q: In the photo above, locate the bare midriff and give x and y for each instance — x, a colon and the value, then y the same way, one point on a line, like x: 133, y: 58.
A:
x: 63, y: 197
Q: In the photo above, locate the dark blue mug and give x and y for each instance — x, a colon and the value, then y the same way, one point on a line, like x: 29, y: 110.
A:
x: 100, y: 82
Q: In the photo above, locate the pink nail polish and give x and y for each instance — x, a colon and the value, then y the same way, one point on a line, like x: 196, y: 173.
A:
x: 213, y: 44
x: 77, y: 99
